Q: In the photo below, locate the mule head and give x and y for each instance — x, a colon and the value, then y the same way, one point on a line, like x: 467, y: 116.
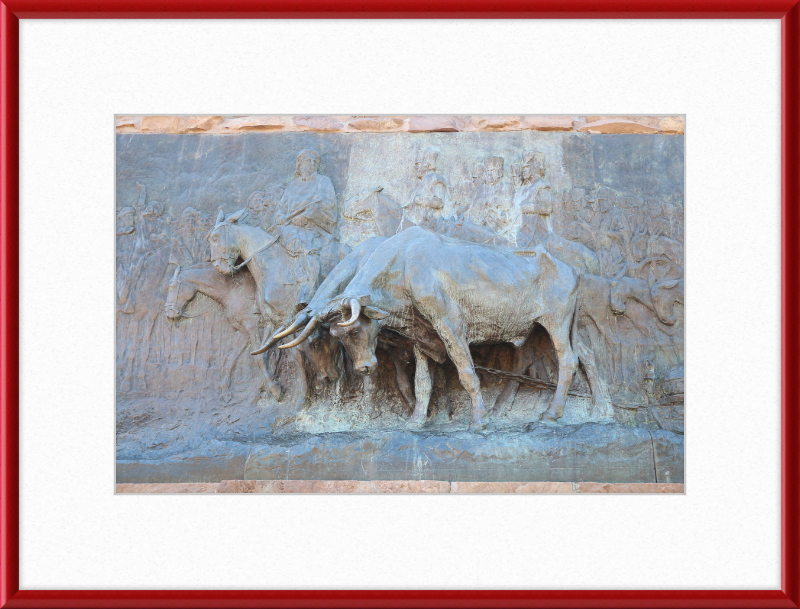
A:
x: 179, y: 294
x: 665, y: 294
x: 222, y: 239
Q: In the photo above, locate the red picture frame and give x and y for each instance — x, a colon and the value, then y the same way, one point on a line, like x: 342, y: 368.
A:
x: 13, y: 10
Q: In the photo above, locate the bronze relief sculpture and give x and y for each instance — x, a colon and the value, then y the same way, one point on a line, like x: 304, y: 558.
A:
x: 477, y: 296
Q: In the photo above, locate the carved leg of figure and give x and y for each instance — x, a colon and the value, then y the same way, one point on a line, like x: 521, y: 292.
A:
x: 458, y: 350
x: 230, y: 364
x: 403, y: 382
x: 422, y: 389
x: 263, y: 362
x: 149, y: 324
x: 567, y: 363
x: 443, y: 402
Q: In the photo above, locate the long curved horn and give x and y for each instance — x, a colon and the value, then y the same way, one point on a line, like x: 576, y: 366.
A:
x: 301, y: 321
x: 355, y: 308
x: 279, y: 334
x: 304, y: 335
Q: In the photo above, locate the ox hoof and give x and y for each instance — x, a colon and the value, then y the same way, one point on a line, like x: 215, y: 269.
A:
x: 477, y: 426
x: 548, y: 418
x: 415, y: 424
x: 275, y: 390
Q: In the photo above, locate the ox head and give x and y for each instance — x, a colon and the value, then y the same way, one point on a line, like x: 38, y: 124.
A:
x: 224, y: 242
x: 323, y: 352
x: 353, y: 322
x: 665, y: 294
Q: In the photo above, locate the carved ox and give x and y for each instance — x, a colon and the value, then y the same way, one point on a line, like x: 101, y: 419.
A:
x: 465, y: 294
x: 334, y: 283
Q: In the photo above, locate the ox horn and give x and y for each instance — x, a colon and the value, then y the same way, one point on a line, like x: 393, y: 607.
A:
x: 279, y: 334
x: 298, y: 323
x: 304, y: 335
x: 355, y: 308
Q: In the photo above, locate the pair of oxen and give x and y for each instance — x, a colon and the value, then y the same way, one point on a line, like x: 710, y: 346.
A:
x: 437, y: 294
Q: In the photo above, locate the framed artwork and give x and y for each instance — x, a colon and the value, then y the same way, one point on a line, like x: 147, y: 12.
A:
x: 387, y: 303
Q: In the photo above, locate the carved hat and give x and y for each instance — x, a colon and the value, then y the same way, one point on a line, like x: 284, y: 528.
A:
x: 529, y: 157
x: 313, y: 155
x: 428, y: 157
x: 494, y: 162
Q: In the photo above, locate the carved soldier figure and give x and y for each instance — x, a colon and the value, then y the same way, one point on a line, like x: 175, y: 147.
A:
x: 308, y: 214
x: 429, y: 196
x: 493, y: 206
x: 534, y: 201
x: 536, y: 204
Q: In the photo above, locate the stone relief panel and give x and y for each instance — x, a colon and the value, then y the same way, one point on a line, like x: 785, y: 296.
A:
x: 297, y: 285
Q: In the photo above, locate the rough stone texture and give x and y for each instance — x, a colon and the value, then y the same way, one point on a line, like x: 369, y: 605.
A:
x: 334, y: 486
x: 163, y: 124
x: 668, y: 455
x: 512, y: 487
x: 253, y: 123
x: 318, y: 123
x: 598, y: 487
x: 671, y: 124
x: 617, y: 125
x: 418, y: 124
x: 182, y: 488
x: 597, y: 452
x: 395, y: 486
x: 377, y: 123
x: 211, y: 462
x: 547, y: 123
x: 493, y: 123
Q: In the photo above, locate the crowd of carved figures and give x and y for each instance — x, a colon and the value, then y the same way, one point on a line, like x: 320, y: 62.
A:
x: 599, y: 270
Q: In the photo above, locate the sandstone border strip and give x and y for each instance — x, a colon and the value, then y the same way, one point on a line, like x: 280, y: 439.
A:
x: 233, y: 124
x: 395, y: 486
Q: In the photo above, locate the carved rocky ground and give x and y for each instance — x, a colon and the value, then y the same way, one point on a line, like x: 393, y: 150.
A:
x: 193, y: 405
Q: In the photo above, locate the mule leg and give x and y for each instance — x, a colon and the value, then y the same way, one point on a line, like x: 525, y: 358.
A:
x: 567, y: 363
x: 422, y: 389
x: 458, y: 350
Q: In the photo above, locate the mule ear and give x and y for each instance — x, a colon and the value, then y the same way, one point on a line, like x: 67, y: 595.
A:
x: 220, y: 216
x: 235, y: 216
x: 375, y: 313
x: 667, y: 285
